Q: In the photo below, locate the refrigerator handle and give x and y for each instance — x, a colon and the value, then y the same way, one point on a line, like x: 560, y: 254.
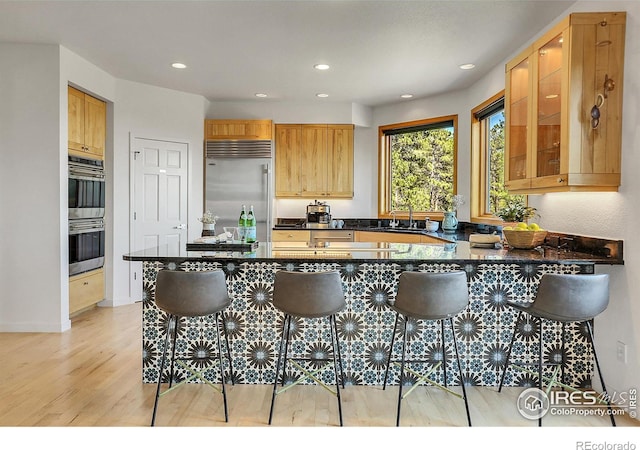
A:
x: 267, y: 172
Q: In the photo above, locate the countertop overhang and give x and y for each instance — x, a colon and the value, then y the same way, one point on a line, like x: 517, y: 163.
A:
x: 362, y: 252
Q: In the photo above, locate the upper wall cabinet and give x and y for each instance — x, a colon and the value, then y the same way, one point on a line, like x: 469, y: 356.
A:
x: 87, y: 125
x: 314, y: 161
x: 238, y: 129
x: 563, y: 108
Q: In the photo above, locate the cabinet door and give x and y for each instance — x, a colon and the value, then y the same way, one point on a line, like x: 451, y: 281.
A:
x: 238, y: 129
x: 550, y: 91
x: 314, y: 161
x: 518, y: 122
x: 288, y: 160
x: 290, y: 236
x: 75, y: 120
x: 95, y: 126
x: 381, y: 236
x: 340, y: 161
x: 85, y: 290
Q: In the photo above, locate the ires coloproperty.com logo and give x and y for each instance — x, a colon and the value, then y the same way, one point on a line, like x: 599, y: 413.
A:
x: 534, y: 403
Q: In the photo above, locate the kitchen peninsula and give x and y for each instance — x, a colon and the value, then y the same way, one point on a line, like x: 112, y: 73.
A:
x: 370, y: 273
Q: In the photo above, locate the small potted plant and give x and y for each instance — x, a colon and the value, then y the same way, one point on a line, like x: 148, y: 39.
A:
x: 208, y: 223
x: 515, y: 210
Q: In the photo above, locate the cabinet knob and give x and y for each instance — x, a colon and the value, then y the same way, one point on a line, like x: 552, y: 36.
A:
x: 290, y: 235
x: 560, y: 180
x: 86, y: 283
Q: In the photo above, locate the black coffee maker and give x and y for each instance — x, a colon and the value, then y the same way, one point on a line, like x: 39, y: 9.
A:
x: 318, y: 215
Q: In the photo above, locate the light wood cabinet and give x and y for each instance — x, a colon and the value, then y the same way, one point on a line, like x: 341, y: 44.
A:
x: 87, y: 126
x: 398, y: 237
x: 552, y: 90
x: 85, y: 290
x: 290, y: 236
x: 314, y: 160
x: 238, y: 129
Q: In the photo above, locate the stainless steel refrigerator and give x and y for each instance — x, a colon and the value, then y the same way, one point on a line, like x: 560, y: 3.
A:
x: 231, y: 182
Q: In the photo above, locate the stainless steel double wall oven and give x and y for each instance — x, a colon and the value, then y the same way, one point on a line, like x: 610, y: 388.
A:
x: 86, y: 214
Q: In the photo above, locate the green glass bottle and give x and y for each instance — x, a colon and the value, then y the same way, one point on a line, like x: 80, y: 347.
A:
x: 251, y: 226
x: 242, y: 224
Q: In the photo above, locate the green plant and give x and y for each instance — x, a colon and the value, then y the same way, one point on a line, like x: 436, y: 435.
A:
x: 515, y: 210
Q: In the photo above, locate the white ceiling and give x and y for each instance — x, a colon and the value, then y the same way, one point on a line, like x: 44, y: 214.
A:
x: 377, y: 50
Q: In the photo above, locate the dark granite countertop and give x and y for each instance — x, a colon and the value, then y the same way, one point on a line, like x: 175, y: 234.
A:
x: 459, y: 251
x: 556, y: 245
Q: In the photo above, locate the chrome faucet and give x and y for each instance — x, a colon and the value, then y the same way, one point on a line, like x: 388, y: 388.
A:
x: 411, y: 224
x: 394, y: 222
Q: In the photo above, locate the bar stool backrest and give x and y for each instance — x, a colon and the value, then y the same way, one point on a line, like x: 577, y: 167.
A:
x: 308, y: 294
x: 191, y: 294
x: 432, y: 296
x: 571, y: 297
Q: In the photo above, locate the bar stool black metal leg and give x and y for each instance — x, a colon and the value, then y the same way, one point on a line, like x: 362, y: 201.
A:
x: 404, y: 348
x: 540, y: 366
x: 335, y: 327
x: 176, y: 319
x: 335, y: 344
x: 393, y: 336
x: 275, y: 381
x: 224, y: 390
x: 226, y: 340
x: 464, y: 390
x: 444, y: 352
x: 506, y: 363
x: 162, y: 363
x: 595, y: 357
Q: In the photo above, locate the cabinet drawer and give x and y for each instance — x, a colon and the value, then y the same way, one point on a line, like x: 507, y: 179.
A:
x: 85, y: 290
x: 290, y: 235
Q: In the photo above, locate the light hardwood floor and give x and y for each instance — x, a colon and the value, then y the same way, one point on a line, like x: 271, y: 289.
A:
x: 90, y: 376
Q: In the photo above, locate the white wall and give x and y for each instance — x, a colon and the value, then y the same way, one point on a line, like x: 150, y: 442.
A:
x: 31, y: 189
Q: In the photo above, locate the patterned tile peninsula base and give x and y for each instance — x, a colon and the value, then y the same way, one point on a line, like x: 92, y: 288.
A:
x: 365, y: 326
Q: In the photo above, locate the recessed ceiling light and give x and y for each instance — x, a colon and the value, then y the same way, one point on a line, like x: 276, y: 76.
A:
x: 468, y: 66
x: 321, y: 66
x: 177, y: 65
x: 406, y: 95
x: 322, y: 95
x: 261, y: 95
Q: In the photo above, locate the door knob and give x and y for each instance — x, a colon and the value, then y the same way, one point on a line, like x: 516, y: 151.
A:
x: 182, y: 226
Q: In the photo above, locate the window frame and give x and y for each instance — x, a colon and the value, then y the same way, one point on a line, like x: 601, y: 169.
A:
x: 384, y: 167
x: 479, y: 166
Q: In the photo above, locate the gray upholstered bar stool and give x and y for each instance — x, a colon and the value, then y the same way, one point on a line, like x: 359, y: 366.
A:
x: 308, y: 295
x: 429, y: 296
x: 192, y: 294
x: 564, y: 298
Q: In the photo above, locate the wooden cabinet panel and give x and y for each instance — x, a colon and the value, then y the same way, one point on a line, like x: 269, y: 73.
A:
x: 290, y: 235
x: 314, y: 160
x: 398, y: 237
x: 238, y: 129
x: 85, y: 289
x: 340, y: 160
x: 555, y: 86
x: 381, y: 236
x: 87, y: 125
x: 288, y: 156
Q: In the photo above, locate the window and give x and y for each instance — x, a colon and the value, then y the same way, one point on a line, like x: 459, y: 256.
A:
x: 488, y: 193
x: 417, y: 162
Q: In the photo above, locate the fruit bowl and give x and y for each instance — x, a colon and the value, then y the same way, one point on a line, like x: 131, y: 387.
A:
x: 524, y: 239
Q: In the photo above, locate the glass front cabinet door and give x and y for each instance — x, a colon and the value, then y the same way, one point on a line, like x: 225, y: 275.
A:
x: 563, y: 102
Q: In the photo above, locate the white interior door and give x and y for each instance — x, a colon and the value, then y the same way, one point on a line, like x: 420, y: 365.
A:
x: 160, y: 199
